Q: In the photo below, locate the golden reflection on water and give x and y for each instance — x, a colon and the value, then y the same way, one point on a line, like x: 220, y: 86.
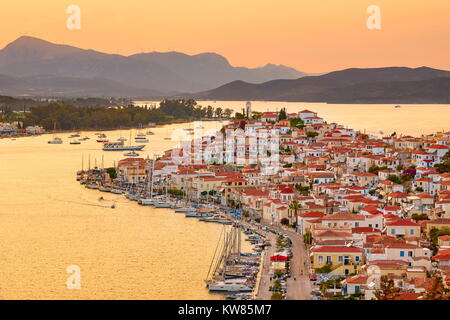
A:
x: 49, y: 222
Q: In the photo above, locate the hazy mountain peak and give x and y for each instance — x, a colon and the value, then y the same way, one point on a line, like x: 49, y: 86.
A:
x: 162, y: 71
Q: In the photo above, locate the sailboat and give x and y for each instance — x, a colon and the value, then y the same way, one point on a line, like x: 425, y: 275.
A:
x: 224, y: 261
x: 56, y: 140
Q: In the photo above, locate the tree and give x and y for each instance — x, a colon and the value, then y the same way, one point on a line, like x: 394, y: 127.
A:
x: 307, y: 237
x: 444, y: 166
x: 295, y: 205
x: 282, y: 115
x: 284, y: 221
x: 388, y: 290
x: 112, y: 173
x: 228, y: 112
x: 437, y: 290
x: 312, y: 134
x: 218, y: 112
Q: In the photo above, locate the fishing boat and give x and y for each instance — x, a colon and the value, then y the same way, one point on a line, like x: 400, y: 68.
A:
x: 120, y: 146
x: 55, y: 140
x: 131, y: 154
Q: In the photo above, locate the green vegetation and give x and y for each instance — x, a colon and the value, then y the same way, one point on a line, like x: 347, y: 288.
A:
x: 419, y: 217
x: 297, y: 122
x: 307, y: 237
x: 325, y: 269
x: 112, y: 173
x: 301, y: 189
x: 330, y: 284
x: 434, y: 234
x: 388, y: 290
x: 282, y: 115
x: 312, y: 134
x: 69, y: 117
x: 375, y: 169
x: 176, y: 192
x: 445, y: 165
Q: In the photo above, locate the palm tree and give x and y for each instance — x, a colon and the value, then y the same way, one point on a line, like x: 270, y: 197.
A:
x: 295, y: 206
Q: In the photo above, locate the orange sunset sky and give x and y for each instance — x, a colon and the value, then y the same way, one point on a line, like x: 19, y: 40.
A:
x: 312, y: 36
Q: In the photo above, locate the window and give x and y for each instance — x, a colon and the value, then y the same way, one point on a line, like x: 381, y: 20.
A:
x: 340, y: 259
x: 357, y: 224
x: 411, y: 231
x: 357, y: 258
x: 320, y: 258
x: 328, y: 259
x: 393, y: 231
x: 402, y: 253
x: 410, y: 253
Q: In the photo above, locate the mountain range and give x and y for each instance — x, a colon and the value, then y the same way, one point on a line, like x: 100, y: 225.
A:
x: 37, y: 67
x: 374, y: 85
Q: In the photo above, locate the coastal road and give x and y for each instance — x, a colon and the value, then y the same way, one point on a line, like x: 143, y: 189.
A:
x: 299, y: 288
x: 265, y: 282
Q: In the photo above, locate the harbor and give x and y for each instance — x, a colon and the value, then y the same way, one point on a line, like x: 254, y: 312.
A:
x: 50, y: 223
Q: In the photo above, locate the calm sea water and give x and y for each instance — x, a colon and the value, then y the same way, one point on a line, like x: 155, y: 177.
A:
x: 49, y: 222
x: 410, y: 119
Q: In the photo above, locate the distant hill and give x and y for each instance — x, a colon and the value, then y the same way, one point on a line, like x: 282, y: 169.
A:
x: 27, y: 59
x: 374, y: 85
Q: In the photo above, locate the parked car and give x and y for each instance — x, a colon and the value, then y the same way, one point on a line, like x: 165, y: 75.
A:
x: 313, y: 277
x: 316, y: 292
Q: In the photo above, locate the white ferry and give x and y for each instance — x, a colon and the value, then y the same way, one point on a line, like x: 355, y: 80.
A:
x: 120, y: 146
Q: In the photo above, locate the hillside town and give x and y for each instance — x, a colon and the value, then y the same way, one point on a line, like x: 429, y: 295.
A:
x: 372, y: 214
x: 13, y: 130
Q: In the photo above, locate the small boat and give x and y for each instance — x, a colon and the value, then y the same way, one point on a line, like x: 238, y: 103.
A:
x: 104, y: 189
x: 92, y: 186
x: 185, y: 209
x: 397, y: 106
x: 141, y: 139
x: 168, y: 138
x: 146, y: 202
x: 163, y: 205
x: 198, y: 214
x: 75, y: 142
x: 149, y: 132
x: 55, y: 140
x: 122, y: 139
x: 102, y: 140
x: 229, y: 286
x: 117, y: 191
x: 131, y: 154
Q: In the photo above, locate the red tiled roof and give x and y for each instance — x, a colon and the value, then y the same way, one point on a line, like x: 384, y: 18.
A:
x: 402, y: 222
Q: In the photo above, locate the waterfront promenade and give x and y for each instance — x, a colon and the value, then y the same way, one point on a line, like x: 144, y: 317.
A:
x: 298, y: 285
